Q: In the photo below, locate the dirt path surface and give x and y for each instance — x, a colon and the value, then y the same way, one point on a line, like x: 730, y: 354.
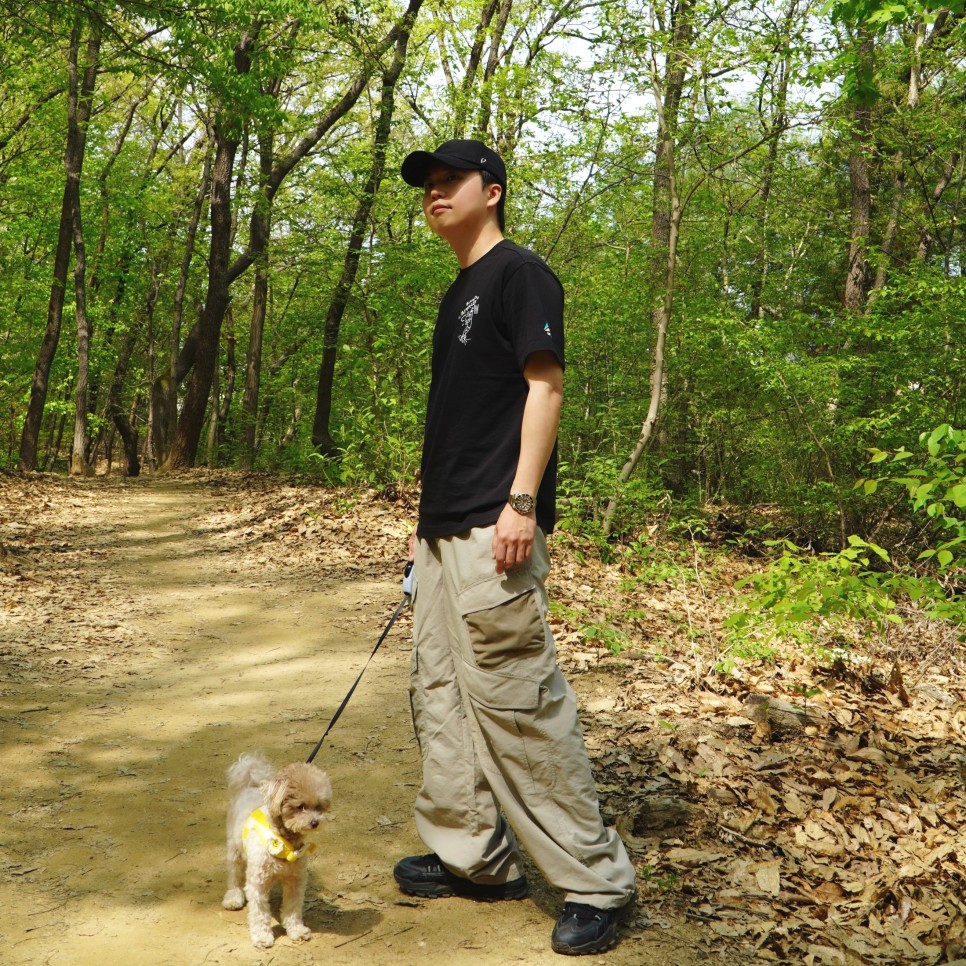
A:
x: 143, y: 646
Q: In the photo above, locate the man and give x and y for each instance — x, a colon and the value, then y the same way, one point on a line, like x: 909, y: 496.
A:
x: 503, y: 755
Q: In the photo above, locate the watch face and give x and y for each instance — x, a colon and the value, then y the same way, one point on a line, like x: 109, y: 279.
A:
x: 521, y: 502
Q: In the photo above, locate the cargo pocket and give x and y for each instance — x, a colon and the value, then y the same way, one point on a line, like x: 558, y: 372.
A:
x: 507, y: 633
x: 507, y: 709
x: 508, y: 662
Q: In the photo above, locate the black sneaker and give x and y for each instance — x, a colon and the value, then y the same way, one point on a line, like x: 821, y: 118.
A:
x: 426, y: 876
x: 582, y: 930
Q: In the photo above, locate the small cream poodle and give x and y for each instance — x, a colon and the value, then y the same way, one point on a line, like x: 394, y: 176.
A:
x: 272, y: 815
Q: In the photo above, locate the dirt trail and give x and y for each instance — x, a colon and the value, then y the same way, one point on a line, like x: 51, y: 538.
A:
x: 129, y: 687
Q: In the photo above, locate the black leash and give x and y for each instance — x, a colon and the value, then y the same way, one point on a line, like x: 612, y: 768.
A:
x: 407, y: 596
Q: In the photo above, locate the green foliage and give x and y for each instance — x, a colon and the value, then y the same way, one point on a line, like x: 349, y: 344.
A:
x: 579, y: 488
x: 936, y: 488
x: 606, y: 635
x: 660, y: 883
x: 830, y: 589
x: 810, y: 598
x: 772, y: 394
x: 883, y: 13
x: 396, y: 454
x: 648, y: 563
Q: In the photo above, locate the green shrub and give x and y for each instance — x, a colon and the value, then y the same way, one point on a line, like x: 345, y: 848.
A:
x: 812, y: 598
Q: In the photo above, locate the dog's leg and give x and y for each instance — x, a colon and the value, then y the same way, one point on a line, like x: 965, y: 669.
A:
x: 259, y: 914
x: 235, y: 893
x: 293, y: 900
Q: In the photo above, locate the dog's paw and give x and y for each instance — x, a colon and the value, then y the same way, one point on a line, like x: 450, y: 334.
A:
x: 299, y: 933
x: 263, y: 940
x: 234, y: 899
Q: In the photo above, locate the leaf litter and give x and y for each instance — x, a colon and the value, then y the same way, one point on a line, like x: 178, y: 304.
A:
x: 800, y: 812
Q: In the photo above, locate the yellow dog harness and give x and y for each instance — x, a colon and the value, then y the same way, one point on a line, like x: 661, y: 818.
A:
x: 276, y: 845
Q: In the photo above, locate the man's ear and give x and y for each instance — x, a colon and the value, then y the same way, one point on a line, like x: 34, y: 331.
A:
x: 493, y: 195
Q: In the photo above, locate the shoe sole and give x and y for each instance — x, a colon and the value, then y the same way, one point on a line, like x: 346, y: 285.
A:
x: 496, y: 893
x: 481, y: 893
x: 424, y: 891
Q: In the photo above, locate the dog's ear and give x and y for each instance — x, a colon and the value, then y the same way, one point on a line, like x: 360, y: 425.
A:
x: 274, y: 792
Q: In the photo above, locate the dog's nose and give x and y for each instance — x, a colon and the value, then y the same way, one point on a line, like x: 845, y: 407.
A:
x: 315, y: 823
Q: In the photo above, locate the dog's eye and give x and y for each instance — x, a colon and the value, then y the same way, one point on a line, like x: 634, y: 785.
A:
x: 301, y: 807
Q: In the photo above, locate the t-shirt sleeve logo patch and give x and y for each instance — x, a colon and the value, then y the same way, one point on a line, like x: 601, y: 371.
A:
x: 546, y: 328
x: 466, y: 318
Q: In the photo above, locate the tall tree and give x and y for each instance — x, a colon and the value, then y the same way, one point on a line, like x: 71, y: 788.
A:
x: 221, y: 274
x: 321, y: 429
x: 667, y: 204
x: 83, y: 77
x: 860, y: 115
x: 78, y: 459
x: 227, y: 130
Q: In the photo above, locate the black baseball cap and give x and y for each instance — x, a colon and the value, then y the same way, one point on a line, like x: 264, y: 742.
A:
x: 467, y: 154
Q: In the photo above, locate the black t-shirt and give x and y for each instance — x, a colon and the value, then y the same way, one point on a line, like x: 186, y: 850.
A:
x: 501, y: 309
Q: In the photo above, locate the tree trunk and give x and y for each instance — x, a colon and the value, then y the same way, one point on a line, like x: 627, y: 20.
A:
x: 129, y: 436
x: 184, y: 447
x: 213, y: 418
x: 56, y: 437
x: 666, y: 216
x: 78, y: 115
x: 898, y: 167
x: 489, y: 71
x: 660, y: 319
x: 284, y: 165
x: 79, y: 111
x: 857, y: 275
x: 79, y: 465
x: 321, y: 430
x: 231, y: 371
x: 261, y: 228
x: 48, y: 347
x: 120, y: 419
x: 472, y: 67
x: 164, y: 388
x: 221, y: 401
x: 777, y: 126
x: 926, y: 236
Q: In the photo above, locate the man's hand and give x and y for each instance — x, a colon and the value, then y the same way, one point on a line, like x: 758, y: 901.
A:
x: 513, y: 538
x: 412, y: 545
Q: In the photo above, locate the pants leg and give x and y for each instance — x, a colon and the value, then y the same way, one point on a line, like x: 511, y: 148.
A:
x: 518, y: 719
x: 457, y: 816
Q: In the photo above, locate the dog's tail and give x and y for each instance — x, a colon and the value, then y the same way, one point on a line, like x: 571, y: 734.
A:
x: 251, y: 770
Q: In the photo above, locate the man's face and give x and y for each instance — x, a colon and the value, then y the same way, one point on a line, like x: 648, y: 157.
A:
x: 456, y: 200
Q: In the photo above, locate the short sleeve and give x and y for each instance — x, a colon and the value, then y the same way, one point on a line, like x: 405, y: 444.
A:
x: 533, y: 301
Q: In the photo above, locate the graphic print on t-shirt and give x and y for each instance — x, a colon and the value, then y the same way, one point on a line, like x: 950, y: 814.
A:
x: 467, y: 316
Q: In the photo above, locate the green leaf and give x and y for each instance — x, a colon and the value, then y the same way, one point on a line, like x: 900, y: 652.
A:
x: 937, y: 434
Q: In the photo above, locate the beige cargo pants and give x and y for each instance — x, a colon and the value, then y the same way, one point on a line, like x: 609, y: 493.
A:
x: 498, y: 729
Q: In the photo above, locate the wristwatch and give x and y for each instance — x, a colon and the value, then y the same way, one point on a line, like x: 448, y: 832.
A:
x: 522, y: 502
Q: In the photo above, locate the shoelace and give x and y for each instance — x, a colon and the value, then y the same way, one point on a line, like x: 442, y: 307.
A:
x: 579, y: 911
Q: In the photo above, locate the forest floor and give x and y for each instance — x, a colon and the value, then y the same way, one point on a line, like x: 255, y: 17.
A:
x: 152, y: 630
